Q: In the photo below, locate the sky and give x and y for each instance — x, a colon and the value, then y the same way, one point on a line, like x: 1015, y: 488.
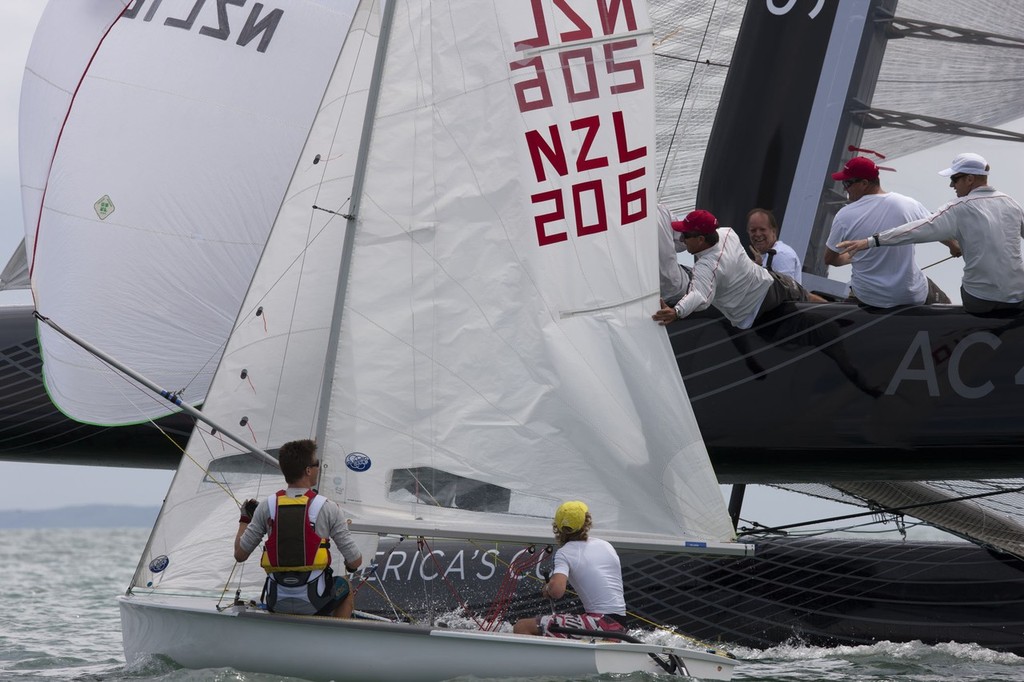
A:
x: 915, y: 175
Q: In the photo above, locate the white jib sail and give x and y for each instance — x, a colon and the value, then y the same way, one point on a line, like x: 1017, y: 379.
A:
x: 272, y: 370
x: 156, y: 145
x: 492, y: 360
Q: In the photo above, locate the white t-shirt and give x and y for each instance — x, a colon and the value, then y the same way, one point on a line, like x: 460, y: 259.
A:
x: 593, y: 569
x: 888, y: 277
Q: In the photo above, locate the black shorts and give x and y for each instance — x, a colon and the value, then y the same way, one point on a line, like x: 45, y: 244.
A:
x: 783, y: 289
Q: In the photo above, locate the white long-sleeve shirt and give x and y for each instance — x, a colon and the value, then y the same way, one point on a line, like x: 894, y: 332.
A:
x: 989, y: 226
x: 673, y: 279
x: 724, y: 276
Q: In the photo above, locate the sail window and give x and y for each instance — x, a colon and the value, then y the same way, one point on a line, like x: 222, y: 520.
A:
x: 427, y: 485
x: 237, y: 469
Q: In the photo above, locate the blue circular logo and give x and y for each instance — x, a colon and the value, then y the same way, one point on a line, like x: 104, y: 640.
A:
x: 357, y: 461
x: 158, y: 564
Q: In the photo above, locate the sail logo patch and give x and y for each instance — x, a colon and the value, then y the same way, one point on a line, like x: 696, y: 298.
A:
x: 158, y: 564
x: 104, y: 207
x: 357, y: 461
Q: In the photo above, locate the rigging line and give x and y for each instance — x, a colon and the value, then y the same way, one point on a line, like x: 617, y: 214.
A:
x: 686, y: 94
x: 371, y: 570
x: 227, y: 585
x: 690, y: 639
x: 257, y: 305
x: 708, y: 62
x: 937, y: 262
x: 184, y: 451
x: 422, y: 542
x: 310, y: 241
x: 893, y: 510
x: 410, y: 618
x: 857, y: 528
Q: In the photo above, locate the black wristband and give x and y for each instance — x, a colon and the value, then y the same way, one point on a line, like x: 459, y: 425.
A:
x: 875, y: 237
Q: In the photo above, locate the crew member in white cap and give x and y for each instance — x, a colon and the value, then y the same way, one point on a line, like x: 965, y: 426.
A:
x: 592, y: 567
x: 986, y: 223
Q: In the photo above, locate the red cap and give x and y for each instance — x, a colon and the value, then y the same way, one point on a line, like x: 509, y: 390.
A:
x: 858, y: 168
x: 699, y: 221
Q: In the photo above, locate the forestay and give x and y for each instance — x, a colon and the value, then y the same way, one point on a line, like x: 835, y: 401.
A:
x: 156, y: 144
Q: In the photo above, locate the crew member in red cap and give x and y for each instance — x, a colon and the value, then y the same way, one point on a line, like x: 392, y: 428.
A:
x: 887, y: 277
x: 987, y: 224
x: 592, y: 567
x: 724, y: 276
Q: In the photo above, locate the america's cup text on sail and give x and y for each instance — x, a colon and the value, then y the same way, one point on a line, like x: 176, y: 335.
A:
x: 581, y: 52
x: 257, y: 22
x: 401, y: 565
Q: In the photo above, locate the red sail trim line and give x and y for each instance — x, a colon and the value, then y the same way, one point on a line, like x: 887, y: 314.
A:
x: 56, y: 146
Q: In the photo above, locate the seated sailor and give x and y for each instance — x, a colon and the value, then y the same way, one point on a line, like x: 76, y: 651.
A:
x: 592, y: 567
x: 300, y: 524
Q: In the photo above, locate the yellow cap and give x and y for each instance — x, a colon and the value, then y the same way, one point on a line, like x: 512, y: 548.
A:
x: 571, y: 516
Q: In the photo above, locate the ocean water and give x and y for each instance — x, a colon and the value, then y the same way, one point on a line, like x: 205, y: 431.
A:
x: 60, y: 621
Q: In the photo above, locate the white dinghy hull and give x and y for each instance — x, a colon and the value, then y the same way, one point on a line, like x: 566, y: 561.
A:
x: 315, y: 648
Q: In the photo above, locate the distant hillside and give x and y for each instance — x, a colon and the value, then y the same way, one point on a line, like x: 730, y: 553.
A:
x: 90, y: 516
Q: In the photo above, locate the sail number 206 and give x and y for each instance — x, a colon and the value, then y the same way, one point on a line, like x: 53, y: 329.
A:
x: 589, y: 58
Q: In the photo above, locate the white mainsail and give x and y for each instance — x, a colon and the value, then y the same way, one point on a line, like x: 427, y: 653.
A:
x: 156, y: 144
x: 496, y: 325
x: 476, y: 348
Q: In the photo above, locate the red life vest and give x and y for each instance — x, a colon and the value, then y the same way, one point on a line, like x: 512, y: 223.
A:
x: 292, y: 543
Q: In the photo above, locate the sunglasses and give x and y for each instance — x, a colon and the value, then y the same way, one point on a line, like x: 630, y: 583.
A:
x: 847, y: 184
x: 953, y: 179
x: 314, y: 465
x: 690, y: 235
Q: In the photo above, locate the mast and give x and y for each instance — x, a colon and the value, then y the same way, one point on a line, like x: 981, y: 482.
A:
x: 352, y: 217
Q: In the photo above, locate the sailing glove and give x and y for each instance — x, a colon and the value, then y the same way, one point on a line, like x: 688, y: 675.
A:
x: 248, y: 509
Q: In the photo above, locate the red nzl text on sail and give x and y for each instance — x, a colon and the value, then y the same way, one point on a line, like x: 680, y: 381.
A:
x: 576, y: 72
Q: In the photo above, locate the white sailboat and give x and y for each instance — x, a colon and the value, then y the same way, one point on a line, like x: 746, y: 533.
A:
x: 454, y: 301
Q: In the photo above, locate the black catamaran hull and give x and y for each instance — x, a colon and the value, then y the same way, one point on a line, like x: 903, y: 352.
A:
x: 823, y: 592
x: 820, y: 393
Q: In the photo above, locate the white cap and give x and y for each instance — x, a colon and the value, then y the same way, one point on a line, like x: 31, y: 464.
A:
x: 970, y: 164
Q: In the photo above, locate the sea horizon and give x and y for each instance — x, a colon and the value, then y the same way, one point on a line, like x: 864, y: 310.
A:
x: 81, y: 516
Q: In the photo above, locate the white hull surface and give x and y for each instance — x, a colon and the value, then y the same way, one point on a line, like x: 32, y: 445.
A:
x: 330, y: 649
